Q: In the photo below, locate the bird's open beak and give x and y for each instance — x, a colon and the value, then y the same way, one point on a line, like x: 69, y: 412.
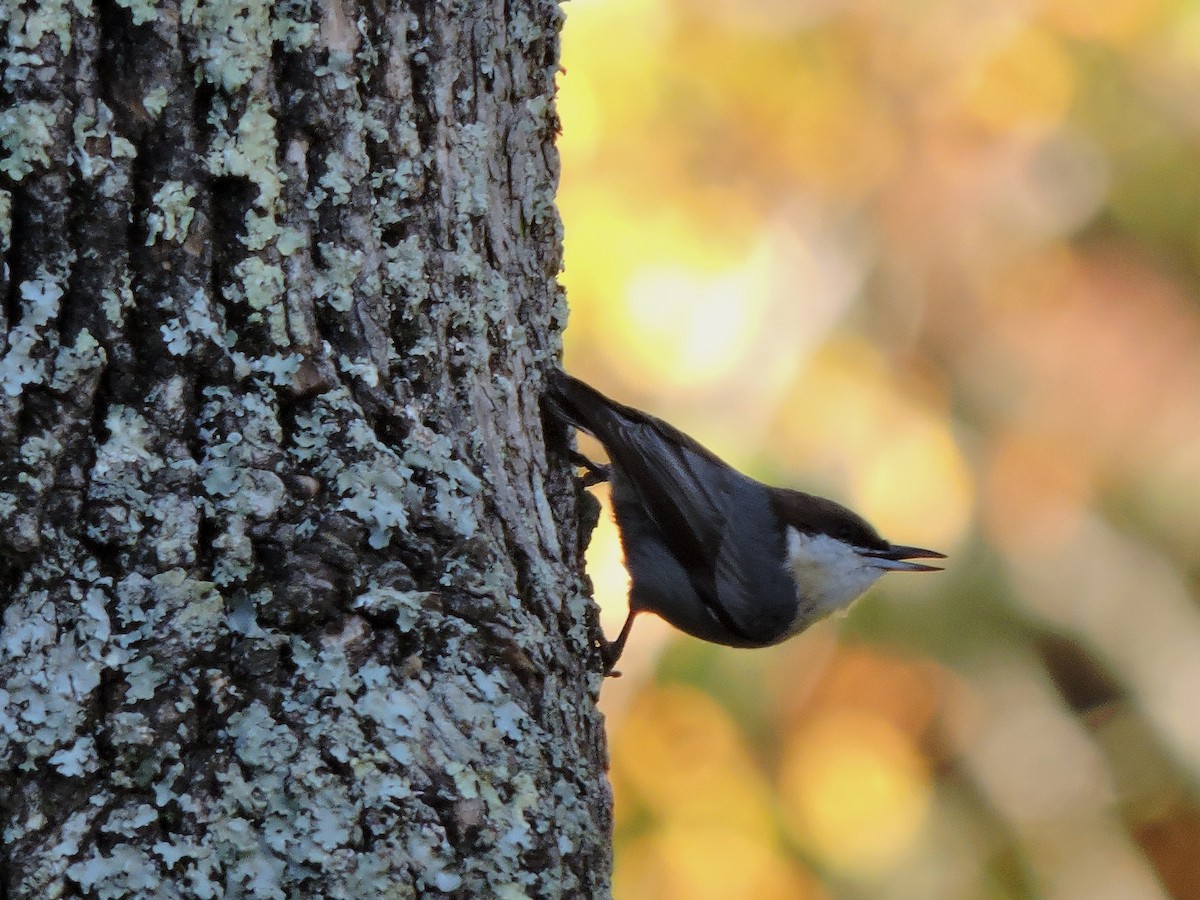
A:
x: 896, y: 559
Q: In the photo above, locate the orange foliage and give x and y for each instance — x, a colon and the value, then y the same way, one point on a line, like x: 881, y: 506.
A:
x: 940, y: 261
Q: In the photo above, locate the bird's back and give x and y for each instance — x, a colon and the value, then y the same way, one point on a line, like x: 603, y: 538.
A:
x: 683, y: 511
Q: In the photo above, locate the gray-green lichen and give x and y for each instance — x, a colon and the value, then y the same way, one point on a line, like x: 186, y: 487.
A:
x: 118, y: 478
x: 54, y: 666
x: 31, y: 339
x: 292, y: 24
x: 115, y: 301
x: 143, y: 11
x: 28, y: 25
x: 342, y: 267
x: 98, y: 148
x: 201, y: 322
x: 5, y: 220
x: 76, y: 363
x: 288, y: 612
x: 259, y: 285
x: 171, y: 212
x: 276, y: 777
x: 384, y: 489
x: 249, y: 149
x: 367, y: 475
x: 156, y: 101
x: 238, y: 472
x: 234, y: 39
x: 25, y: 138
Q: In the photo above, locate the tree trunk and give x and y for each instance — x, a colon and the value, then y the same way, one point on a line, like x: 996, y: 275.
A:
x: 292, y: 603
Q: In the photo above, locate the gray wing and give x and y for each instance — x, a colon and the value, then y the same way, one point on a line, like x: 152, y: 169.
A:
x: 753, y: 585
x: 716, y: 522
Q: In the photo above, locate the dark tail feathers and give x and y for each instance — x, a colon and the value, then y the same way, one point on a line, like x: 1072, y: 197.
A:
x: 577, y: 404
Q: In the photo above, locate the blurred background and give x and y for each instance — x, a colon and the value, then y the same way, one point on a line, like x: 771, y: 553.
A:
x: 939, y: 260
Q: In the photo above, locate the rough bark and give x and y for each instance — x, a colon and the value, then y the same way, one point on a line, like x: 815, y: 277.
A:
x: 291, y: 593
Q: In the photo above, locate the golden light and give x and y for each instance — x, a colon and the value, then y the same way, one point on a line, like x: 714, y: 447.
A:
x: 692, y: 327
x: 853, y: 421
x: 592, y: 29
x: 606, y: 566
x: 811, y: 234
x: 832, y: 415
x: 684, y: 760
x: 1027, y: 80
x: 918, y: 485
x: 684, y: 306
x: 856, y: 791
x: 1112, y: 21
x: 709, y: 863
x: 577, y: 103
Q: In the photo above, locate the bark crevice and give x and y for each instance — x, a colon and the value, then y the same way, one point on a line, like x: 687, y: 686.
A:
x: 293, y: 603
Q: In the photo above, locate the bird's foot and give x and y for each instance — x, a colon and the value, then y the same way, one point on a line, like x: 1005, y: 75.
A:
x: 594, y: 472
x: 610, y: 651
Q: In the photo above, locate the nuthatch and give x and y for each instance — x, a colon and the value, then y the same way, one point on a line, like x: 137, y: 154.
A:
x: 717, y: 554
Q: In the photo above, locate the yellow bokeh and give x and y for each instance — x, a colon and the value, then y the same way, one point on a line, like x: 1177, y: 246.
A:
x: 937, y: 261
x: 917, y: 484
x: 578, y: 103
x: 901, y: 461
x: 710, y: 863
x: 689, y: 326
x: 606, y: 567
x: 1026, y: 80
x: 855, y: 790
x: 594, y: 28
x: 816, y: 126
x: 1113, y: 21
x: 834, y: 405
x: 690, y: 310
x: 683, y: 760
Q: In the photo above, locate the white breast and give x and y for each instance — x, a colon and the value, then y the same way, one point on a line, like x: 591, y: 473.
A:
x: 829, y: 574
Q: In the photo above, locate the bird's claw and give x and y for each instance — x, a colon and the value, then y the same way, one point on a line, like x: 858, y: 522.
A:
x: 594, y: 472
x: 610, y: 652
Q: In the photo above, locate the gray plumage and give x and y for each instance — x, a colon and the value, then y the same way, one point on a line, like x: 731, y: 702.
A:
x: 709, y: 549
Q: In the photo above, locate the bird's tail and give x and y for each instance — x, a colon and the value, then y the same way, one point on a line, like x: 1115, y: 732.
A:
x: 579, y: 405
x: 626, y: 433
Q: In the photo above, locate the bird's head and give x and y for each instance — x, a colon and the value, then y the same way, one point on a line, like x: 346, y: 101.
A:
x: 834, y: 554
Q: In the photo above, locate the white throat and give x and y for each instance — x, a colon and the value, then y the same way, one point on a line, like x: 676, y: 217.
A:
x: 829, y: 573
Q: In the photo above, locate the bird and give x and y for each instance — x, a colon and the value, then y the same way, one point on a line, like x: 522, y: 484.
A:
x: 717, y: 554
